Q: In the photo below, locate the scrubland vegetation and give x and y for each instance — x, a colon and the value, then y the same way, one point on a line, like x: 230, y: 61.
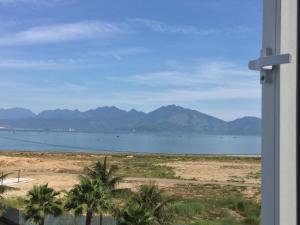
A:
x: 98, y: 192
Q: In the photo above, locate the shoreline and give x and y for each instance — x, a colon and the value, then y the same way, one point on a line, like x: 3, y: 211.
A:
x: 124, y: 133
x: 126, y: 153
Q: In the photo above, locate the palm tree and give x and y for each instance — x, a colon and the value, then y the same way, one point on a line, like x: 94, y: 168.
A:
x: 147, y: 207
x: 3, y: 189
x: 42, y: 201
x: 134, y: 214
x: 90, y: 196
x: 151, y: 198
x: 106, y: 175
x: 101, y: 171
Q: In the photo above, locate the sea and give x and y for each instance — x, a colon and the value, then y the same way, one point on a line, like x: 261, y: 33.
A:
x: 164, y: 143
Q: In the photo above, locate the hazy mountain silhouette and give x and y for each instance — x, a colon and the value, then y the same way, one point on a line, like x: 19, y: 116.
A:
x: 170, y: 118
x: 245, y: 125
x: 15, y: 113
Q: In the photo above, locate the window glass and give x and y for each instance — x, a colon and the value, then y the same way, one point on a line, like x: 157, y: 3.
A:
x: 157, y: 92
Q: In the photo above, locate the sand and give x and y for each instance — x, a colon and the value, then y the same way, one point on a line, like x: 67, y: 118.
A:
x: 61, y: 171
x: 217, y: 171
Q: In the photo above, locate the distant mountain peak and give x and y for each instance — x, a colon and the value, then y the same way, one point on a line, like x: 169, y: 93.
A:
x: 171, y: 107
x: 112, y: 108
x: 15, y: 113
x: 246, y: 125
x: 134, y: 111
x: 170, y: 118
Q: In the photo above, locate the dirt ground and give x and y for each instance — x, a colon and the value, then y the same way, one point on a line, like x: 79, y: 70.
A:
x: 61, y: 171
x: 217, y: 171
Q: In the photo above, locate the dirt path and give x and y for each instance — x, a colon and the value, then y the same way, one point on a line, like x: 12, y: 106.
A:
x: 66, y: 182
x: 170, y: 182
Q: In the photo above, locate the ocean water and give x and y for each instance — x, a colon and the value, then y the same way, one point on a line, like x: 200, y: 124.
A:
x: 144, y: 143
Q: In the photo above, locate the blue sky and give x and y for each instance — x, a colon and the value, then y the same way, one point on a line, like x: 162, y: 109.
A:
x: 80, y: 54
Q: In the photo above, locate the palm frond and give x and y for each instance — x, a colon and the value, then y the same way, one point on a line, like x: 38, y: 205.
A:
x: 89, y: 195
x: 100, y: 171
x: 42, y: 201
x: 151, y: 198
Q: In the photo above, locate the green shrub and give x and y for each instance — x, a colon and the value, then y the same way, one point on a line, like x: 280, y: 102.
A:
x: 243, y: 206
x: 187, y: 208
x: 224, y: 221
x: 14, y: 202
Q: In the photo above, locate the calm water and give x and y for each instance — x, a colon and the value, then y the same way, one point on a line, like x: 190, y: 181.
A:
x: 150, y: 143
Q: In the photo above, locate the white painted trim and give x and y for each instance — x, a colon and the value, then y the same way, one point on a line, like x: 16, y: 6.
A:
x: 288, y: 115
x: 279, y: 116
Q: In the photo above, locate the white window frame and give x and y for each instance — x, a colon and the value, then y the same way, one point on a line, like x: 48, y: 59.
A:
x: 279, y: 116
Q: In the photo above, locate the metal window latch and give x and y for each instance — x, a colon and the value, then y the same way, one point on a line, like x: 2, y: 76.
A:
x: 266, y: 62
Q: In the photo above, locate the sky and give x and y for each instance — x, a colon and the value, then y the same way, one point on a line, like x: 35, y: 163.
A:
x: 80, y: 54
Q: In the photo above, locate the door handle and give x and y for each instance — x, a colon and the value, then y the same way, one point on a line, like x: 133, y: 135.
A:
x: 267, y: 61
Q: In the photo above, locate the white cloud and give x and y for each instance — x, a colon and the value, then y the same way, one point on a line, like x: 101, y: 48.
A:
x: 30, y: 2
x: 45, y: 86
x: 210, y: 81
x: 6, y: 63
x: 87, y: 30
x: 181, y: 96
x: 61, y: 33
x: 67, y: 63
x: 162, y: 27
x: 119, y: 53
x: 27, y: 64
x: 211, y: 73
x: 57, y: 88
x: 13, y: 1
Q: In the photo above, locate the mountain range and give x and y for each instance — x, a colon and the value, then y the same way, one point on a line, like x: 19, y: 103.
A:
x: 170, y: 118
